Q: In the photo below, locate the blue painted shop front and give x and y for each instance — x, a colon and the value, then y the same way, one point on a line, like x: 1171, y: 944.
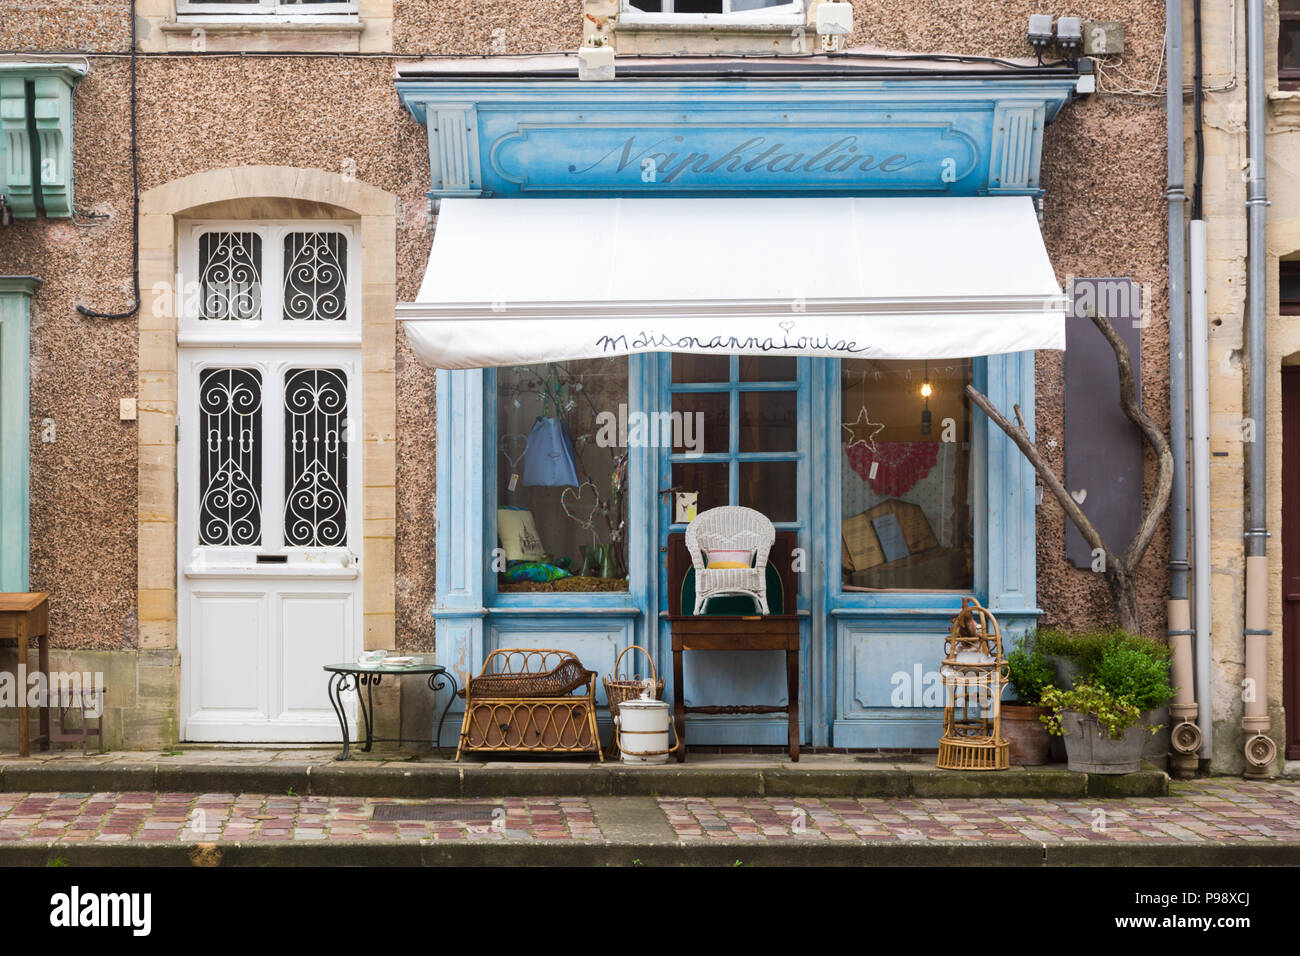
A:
x: 870, y: 653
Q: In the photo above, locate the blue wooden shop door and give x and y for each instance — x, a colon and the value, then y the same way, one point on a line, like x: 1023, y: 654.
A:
x: 740, y: 436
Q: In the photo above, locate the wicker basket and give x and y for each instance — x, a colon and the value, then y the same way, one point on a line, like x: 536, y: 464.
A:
x: 560, y: 680
x: 618, y: 690
x: 974, y: 753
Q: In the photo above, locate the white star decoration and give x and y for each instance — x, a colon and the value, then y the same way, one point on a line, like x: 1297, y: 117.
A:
x: 863, y: 431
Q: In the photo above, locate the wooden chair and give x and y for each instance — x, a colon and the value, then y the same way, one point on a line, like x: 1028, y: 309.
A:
x: 730, y: 528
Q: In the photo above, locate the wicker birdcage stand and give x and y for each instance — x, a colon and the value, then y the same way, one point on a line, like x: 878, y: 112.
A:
x: 974, y: 673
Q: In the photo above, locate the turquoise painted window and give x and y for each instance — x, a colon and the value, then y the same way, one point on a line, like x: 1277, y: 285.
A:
x: 906, y: 475
x: 15, y: 310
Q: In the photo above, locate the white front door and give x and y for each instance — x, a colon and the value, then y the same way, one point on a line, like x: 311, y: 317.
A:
x: 269, y: 506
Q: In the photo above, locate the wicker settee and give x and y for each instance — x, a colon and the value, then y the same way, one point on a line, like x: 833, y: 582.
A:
x: 532, y: 700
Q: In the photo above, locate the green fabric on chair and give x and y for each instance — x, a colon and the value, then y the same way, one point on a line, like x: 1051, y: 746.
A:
x: 736, y: 604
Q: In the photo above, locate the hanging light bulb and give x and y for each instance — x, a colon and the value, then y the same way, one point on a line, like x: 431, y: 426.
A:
x: 925, y: 393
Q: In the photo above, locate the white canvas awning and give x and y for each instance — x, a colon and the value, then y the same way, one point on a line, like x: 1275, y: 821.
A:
x: 521, y: 281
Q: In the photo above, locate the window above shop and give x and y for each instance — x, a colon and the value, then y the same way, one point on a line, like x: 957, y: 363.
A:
x: 1289, y: 287
x: 712, y: 11
x: 1288, y: 44
x: 218, y: 26
x: 277, y: 9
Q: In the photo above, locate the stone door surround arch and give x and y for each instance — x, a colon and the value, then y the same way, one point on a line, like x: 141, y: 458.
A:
x: 261, y: 192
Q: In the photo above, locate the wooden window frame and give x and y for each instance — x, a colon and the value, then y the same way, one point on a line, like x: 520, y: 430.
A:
x: 1287, y: 78
x: 1285, y: 269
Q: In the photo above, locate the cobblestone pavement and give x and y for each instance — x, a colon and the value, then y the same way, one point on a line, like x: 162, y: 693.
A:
x: 225, y: 817
x: 1217, y: 811
x: 1202, y: 811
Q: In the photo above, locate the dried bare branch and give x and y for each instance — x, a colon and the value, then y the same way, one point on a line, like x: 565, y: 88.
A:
x: 1019, y: 435
x: 1120, y: 570
x: 1154, y: 436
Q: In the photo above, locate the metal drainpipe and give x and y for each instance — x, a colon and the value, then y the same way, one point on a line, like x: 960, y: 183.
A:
x: 1185, y: 739
x: 1198, y: 353
x: 1260, y: 749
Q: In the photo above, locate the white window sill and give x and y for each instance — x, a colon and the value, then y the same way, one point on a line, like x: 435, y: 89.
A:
x: 341, y: 22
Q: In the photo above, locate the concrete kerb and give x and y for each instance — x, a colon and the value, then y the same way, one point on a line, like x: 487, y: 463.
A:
x: 786, y: 853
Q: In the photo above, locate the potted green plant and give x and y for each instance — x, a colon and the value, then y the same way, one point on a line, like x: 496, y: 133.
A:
x: 1072, y: 654
x: 1022, y: 718
x: 1105, y: 717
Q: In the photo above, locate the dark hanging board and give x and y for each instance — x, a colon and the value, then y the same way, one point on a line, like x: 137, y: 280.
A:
x: 1103, y: 449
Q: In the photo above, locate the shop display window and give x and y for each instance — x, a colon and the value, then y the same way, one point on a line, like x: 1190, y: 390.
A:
x: 905, y: 475
x: 561, y: 477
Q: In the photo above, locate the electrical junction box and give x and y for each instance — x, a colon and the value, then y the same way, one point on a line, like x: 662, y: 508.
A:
x: 1103, y: 38
x: 596, y: 63
x: 834, y: 19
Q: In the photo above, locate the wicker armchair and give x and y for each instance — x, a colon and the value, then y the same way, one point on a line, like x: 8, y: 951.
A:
x: 730, y: 528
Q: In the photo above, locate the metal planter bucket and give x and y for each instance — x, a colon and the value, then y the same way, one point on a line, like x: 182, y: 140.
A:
x: 641, y: 729
x: 1089, y: 750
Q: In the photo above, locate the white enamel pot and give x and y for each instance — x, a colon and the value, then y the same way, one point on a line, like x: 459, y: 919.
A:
x: 641, y: 729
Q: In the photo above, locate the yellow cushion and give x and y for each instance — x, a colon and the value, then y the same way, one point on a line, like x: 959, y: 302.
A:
x: 725, y: 565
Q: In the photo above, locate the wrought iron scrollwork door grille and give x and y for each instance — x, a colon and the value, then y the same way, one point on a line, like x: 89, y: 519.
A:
x: 247, y: 281
x: 315, y: 276
x: 258, y: 427
x: 315, y: 457
x: 230, y: 457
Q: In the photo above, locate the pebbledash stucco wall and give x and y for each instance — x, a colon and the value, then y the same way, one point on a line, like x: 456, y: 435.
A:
x: 338, y: 114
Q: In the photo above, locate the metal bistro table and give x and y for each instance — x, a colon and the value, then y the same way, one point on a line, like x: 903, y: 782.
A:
x: 359, y: 677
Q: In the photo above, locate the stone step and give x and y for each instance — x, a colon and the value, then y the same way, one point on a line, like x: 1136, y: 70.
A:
x: 314, y: 773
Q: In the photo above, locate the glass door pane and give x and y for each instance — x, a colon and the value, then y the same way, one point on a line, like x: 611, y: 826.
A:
x: 230, y: 466
x: 768, y: 421
x: 770, y: 487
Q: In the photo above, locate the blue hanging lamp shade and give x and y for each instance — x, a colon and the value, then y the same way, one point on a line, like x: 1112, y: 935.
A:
x: 548, y: 458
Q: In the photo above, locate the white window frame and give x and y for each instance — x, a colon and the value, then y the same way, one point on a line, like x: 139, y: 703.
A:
x: 786, y: 14
x: 271, y: 329
x: 270, y: 11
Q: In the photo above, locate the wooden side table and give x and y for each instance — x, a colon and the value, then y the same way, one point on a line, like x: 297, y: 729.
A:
x: 710, y: 632
x: 24, y: 616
